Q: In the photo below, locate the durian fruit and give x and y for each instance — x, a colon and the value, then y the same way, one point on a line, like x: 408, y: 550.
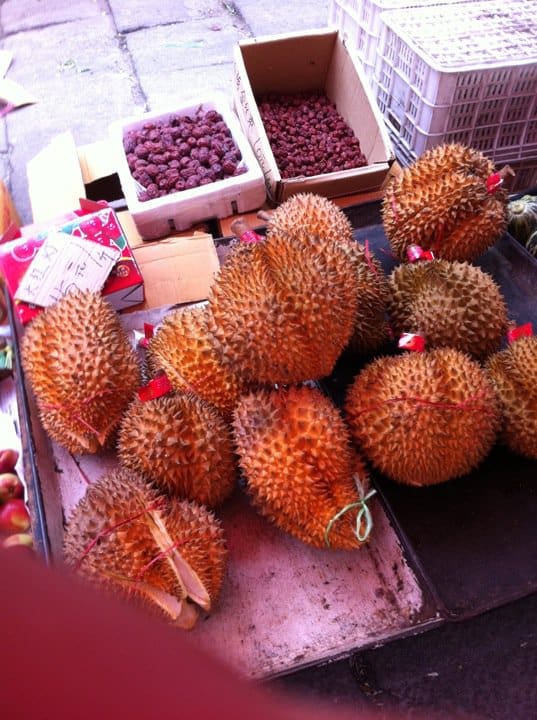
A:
x: 82, y: 370
x: 284, y: 310
x: 310, y: 215
x: 187, y: 349
x: 318, y: 215
x: 182, y: 444
x: 423, y: 418
x: 299, y: 465
x: 452, y: 304
x: 441, y: 202
x: 166, y: 554
x: 513, y: 372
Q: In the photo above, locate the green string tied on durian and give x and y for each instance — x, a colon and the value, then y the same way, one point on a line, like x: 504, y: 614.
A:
x: 363, y: 515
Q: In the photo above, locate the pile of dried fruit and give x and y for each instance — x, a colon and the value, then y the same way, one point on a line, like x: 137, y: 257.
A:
x: 181, y: 153
x: 307, y: 134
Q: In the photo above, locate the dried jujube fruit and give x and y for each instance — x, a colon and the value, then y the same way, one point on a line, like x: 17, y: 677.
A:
x: 181, y: 153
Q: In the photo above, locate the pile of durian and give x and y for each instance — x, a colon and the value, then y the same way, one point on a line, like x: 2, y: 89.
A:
x: 242, y: 400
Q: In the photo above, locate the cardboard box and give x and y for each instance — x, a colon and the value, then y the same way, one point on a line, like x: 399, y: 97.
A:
x: 177, y: 270
x: 181, y: 210
x: 124, y: 287
x: 298, y: 62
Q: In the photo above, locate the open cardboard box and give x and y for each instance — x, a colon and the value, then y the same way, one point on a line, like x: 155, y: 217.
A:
x: 63, y: 172
x: 298, y: 62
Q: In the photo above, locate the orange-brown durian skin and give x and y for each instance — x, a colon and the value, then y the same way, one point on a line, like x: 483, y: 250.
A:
x: 182, y: 444
x: 513, y: 373
x: 321, y: 217
x: 186, y: 348
x: 452, y: 304
x: 284, y: 309
x: 82, y: 370
x: 296, y: 456
x: 423, y: 418
x: 441, y: 203
x: 108, y: 539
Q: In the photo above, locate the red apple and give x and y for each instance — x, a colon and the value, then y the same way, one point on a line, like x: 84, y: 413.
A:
x: 18, y: 539
x: 14, y: 516
x: 8, y: 460
x: 10, y: 487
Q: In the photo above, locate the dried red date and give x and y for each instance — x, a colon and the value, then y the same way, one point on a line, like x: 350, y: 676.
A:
x: 307, y: 135
x: 182, y: 152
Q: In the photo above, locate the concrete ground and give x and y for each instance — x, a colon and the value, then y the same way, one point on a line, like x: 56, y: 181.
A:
x: 90, y: 62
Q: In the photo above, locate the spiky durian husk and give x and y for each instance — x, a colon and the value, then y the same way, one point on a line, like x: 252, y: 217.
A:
x: 441, y: 203
x: 126, y: 536
x: 513, y: 373
x: 182, y: 444
x: 186, y: 348
x: 284, y: 310
x: 452, y: 304
x: 423, y: 418
x: 307, y: 215
x: 312, y: 213
x: 82, y: 370
x: 296, y: 455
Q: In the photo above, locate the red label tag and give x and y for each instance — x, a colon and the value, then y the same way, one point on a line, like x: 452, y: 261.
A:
x: 149, y: 331
x: 415, y: 252
x: 155, y: 388
x: 409, y: 341
x: 494, y: 181
x: 525, y: 330
x: 250, y: 236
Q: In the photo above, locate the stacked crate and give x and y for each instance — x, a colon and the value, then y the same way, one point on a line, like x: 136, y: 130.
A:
x: 458, y: 72
x: 462, y: 73
x: 360, y: 25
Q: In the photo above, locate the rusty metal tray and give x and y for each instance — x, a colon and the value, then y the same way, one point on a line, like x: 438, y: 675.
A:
x: 474, y: 538
x: 284, y: 606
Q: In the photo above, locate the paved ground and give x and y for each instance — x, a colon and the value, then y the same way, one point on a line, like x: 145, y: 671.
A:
x: 90, y: 62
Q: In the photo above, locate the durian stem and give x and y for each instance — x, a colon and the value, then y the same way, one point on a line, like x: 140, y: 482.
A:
x: 244, y: 232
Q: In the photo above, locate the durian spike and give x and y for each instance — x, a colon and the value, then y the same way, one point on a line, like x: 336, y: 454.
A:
x: 452, y: 304
x: 444, y: 202
x: 186, y: 347
x: 182, y: 444
x: 82, y: 370
x: 513, y: 373
x: 284, y: 309
x: 168, y: 554
x: 307, y: 216
x: 296, y: 455
x: 423, y: 418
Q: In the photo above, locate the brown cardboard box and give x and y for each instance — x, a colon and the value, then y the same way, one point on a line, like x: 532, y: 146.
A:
x: 298, y: 62
x: 177, y: 270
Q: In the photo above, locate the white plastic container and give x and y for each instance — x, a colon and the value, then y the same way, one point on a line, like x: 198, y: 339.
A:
x: 181, y: 210
x: 461, y: 72
x: 360, y: 24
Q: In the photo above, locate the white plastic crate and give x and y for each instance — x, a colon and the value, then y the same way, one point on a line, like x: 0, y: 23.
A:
x: 181, y: 210
x: 464, y: 72
x: 360, y: 24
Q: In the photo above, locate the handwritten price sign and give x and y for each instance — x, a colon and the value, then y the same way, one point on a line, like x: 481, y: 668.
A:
x: 65, y: 263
